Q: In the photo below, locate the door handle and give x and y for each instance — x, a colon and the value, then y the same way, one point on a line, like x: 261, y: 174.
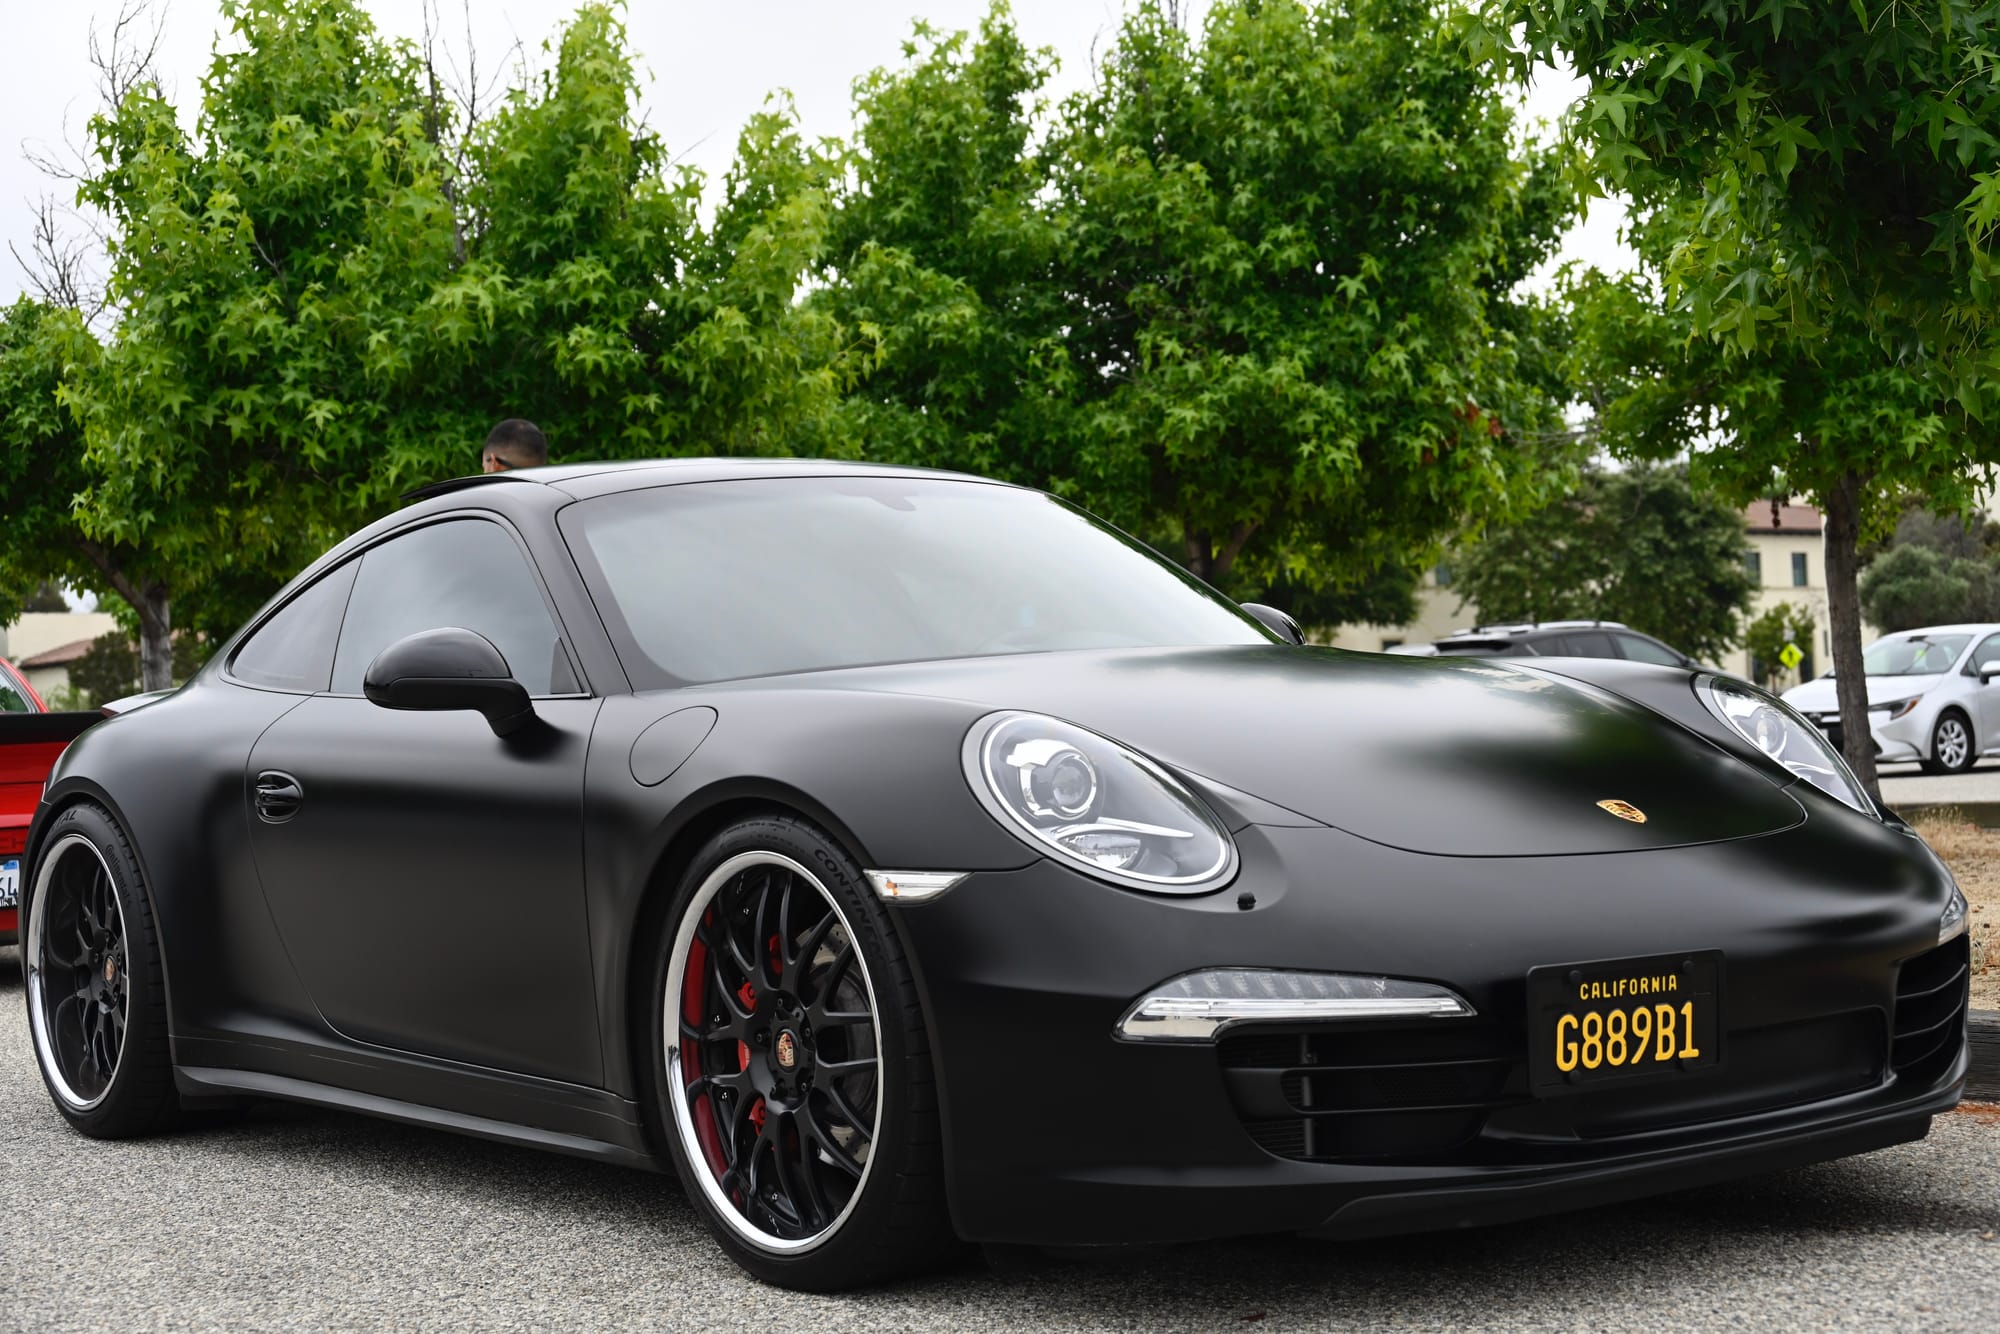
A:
x: 279, y: 796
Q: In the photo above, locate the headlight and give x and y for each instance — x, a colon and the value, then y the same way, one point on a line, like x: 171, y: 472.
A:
x: 1894, y: 709
x: 1780, y: 733
x: 1096, y: 804
x: 1952, y: 924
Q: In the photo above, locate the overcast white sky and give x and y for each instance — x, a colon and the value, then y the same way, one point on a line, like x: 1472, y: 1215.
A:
x: 708, y: 67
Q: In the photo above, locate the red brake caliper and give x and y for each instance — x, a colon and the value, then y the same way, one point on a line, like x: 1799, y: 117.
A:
x: 748, y: 995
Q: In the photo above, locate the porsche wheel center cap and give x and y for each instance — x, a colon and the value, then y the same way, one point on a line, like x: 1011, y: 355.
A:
x: 786, y: 1049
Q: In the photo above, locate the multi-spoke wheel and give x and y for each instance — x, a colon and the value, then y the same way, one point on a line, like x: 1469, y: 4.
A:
x: 794, y: 1077
x: 95, y: 1004
x: 1952, y: 751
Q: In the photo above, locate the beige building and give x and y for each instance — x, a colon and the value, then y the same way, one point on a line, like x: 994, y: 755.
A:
x: 1784, y: 550
x: 43, y: 644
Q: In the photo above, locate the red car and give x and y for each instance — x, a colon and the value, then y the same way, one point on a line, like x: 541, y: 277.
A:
x: 30, y: 740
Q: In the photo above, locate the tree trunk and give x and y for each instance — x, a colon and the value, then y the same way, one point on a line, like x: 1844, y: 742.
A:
x: 1200, y: 551
x: 1843, y: 598
x: 156, y: 645
x: 156, y: 626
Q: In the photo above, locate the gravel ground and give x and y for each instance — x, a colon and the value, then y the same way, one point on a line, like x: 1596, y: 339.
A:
x: 299, y: 1219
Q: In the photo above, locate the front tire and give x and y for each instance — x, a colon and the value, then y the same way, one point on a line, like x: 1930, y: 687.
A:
x: 97, y: 1001
x: 1952, y: 749
x: 790, y: 1070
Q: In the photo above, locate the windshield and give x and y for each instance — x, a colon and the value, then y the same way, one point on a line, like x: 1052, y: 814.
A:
x: 1913, y: 655
x: 716, y: 580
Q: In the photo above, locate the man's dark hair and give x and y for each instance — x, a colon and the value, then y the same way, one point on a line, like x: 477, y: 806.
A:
x: 518, y: 443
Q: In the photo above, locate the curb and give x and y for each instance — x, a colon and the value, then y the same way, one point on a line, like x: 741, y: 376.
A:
x: 1982, y: 1081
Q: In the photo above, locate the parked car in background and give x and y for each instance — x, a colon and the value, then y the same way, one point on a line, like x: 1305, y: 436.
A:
x: 30, y: 741
x: 1932, y: 696
x: 16, y: 695
x: 1553, y: 639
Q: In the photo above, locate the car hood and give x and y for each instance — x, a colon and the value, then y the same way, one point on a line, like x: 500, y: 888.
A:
x: 1818, y: 696
x: 1453, y: 756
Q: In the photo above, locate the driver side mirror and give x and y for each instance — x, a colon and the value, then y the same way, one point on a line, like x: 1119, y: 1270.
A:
x: 449, y: 669
x: 1277, y: 622
x: 1988, y: 670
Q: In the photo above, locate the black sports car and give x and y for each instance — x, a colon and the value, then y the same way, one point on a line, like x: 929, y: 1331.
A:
x: 905, y: 858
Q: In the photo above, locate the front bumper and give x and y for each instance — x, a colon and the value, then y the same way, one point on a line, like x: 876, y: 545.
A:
x: 1904, y: 740
x: 1058, y: 1133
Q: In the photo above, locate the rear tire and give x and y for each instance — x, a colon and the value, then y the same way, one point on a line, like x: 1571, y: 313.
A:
x: 1952, y: 748
x: 97, y: 997
x: 789, y: 1070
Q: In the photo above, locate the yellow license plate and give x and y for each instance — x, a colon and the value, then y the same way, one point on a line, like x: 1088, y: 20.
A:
x: 1622, y: 1019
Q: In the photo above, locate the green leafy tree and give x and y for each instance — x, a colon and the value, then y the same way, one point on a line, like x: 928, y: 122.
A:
x: 333, y: 285
x: 44, y: 472
x: 1286, y: 241
x: 1767, y: 635
x: 271, y: 270
x: 1912, y: 586
x: 1837, y: 419
x: 1837, y: 162
x: 1817, y: 192
x: 943, y: 259
x: 596, y: 302
x: 1641, y: 545
x: 1251, y: 296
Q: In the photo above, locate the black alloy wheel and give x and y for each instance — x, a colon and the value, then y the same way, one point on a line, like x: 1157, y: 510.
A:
x: 796, y: 1081
x: 96, y: 1003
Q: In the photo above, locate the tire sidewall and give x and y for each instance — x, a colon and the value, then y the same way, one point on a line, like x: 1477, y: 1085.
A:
x: 853, y: 1250
x: 134, y: 1101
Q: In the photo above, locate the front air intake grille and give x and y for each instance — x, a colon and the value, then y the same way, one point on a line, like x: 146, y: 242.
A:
x: 1930, y: 1011
x: 1348, y: 1096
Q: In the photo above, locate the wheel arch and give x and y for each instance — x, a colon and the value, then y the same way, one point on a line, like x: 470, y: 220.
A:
x: 694, y: 821
x: 79, y: 791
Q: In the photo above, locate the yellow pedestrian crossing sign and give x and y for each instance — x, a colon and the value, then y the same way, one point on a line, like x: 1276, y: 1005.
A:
x: 1791, y: 657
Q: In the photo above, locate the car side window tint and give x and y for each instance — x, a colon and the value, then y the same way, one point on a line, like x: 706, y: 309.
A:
x: 12, y: 700
x: 1591, y: 644
x: 1641, y: 649
x: 294, y: 649
x: 467, y: 573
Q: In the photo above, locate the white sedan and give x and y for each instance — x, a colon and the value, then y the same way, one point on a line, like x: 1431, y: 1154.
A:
x: 1933, y: 696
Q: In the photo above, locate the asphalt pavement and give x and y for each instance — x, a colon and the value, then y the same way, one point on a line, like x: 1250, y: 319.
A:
x: 1906, y: 785
x: 300, y: 1219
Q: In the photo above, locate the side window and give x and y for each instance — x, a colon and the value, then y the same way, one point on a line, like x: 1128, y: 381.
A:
x: 12, y: 698
x: 1988, y: 651
x: 1591, y: 644
x: 466, y: 573
x: 1641, y: 649
x: 294, y: 649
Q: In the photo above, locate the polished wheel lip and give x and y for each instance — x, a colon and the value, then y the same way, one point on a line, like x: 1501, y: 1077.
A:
x: 677, y: 1084
x: 35, y: 929
x: 1952, y: 743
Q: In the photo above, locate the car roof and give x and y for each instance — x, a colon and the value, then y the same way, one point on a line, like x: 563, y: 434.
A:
x: 1963, y: 628
x: 580, y: 480
x: 1505, y: 632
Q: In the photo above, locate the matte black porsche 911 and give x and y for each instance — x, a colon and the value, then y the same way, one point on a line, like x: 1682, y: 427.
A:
x: 905, y: 858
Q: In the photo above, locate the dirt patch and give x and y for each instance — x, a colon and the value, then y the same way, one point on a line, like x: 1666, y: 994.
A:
x: 1986, y: 1113
x: 1973, y: 854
